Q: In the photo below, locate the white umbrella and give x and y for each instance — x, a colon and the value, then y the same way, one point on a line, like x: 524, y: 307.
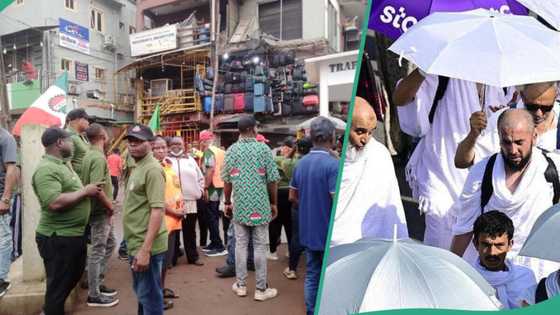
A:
x: 372, y: 274
x: 549, y: 10
x: 339, y: 124
x: 544, y: 240
x: 483, y: 46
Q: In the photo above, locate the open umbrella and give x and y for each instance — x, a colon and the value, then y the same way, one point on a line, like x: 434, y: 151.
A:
x: 339, y: 124
x: 372, y: 274
x: 544, y: 240
x: 549, y: 10
x: 395, y: 17
x: 482, y: 46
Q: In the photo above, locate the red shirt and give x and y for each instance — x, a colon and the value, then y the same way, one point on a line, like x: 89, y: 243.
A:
x: 115, y: 163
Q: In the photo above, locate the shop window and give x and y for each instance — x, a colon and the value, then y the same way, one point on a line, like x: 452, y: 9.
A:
x: 282, y: 19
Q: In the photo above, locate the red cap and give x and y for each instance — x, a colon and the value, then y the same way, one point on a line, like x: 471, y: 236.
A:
x: 261, y: 138
x: 206, y: 135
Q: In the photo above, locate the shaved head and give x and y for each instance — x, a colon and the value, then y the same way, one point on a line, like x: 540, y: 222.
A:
x: 517, y: 138
x: 364, y: 121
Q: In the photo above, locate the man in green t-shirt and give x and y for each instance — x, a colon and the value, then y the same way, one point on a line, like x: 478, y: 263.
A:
x: 77, y: 121
x: 144, y: 229
x: 95, y: 170
x: 65, y: 210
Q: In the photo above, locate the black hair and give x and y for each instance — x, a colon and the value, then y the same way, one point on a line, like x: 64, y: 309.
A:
x: 493, y: 223
x: 94, y: 131
x: 51, y: 135
x: 116, y: 151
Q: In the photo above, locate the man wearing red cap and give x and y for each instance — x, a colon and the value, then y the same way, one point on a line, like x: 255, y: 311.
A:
x: 212, y: 162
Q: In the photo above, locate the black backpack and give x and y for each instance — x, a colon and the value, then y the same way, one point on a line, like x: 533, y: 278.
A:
x: 486, y: 188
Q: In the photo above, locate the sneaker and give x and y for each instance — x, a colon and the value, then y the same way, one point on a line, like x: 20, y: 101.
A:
x: 264, y: 295
x: 123, y: 256
x: 227, y: 272
x: 290, y: 274
x: 272, y: 256
x: 107, y: 291
x: 216, y: 253
x: 207, y: 248
x: 4, y: 287
x: 239, y: 290
x: 102, y: 301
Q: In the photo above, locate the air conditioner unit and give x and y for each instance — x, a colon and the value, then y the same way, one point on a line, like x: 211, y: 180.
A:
x: 109, y: 42
x: 159, y: 87
x: 73, y: 89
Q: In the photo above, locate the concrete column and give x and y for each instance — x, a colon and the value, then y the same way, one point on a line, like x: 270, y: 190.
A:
x: 31, y: 152
x: 323, y: 89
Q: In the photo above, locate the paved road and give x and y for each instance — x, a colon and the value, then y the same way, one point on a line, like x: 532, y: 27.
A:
x: 201, y: 291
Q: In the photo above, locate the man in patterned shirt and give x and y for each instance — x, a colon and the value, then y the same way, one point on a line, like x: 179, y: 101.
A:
x: 250, y: 173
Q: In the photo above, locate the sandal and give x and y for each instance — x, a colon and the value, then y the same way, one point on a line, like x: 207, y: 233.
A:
x: 167, y: 304
x: 169, y: 294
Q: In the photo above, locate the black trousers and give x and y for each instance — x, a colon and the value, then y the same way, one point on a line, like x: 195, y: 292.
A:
x: 189, y: 237
x: 65, y: 260
x: 115, y: 182
x: 284, y: 219
x: 202, y: 221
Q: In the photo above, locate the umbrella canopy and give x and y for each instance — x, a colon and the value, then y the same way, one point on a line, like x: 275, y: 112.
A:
x: 395, y: 17
x: 482, y: 46
x: 373, y: 274
x: 549, y: 10
x: 339, y: 124
x: 544, y: 240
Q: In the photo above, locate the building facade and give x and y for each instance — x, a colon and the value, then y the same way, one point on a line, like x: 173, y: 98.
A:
x: 88, y: 39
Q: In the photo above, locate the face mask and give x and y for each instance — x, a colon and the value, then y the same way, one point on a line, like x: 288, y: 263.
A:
x: 176, y: 154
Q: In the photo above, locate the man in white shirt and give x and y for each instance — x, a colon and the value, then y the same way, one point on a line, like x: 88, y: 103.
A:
x: 539, y: 99
x: 513, y: 182
x: 369, y: 202
x: 493, y: 239
x: 191, y: 181
x: 437, y: 109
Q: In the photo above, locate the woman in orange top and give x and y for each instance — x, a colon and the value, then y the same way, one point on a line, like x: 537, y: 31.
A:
x: 174, y: 210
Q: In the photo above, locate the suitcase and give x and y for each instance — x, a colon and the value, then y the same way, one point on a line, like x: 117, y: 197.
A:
x: 258, y: 89
x: 259, y: 104
x: 228, y: 88
x: 310, y: 100
x: 239, y: 102
x: 249, y: 84
x: 297, y: 106
x: 238, y: 88
x: 228, y: 103
x: 219, y: 103
x: 207, y: 104
x: 210, y: 73
x: 249, y: 108
x: 311, y: 91
x: 269, y: 104
x: 286, y: 109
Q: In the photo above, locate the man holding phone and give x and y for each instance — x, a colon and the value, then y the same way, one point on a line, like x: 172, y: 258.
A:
x: 144, y: 229
x: 65, y: 210
x: 95, y: 170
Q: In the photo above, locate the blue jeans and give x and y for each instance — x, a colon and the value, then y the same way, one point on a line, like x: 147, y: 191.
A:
x: 230, y: 260
x: 312, y: 277
x: 147, y: 286
x: 5, y: 245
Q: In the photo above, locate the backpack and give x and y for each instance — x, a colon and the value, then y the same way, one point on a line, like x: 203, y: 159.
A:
x: 486, y: 188
x: 442, y: 84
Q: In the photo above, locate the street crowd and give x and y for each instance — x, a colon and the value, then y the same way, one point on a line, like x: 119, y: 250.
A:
x: 168, y: 185
x: 484, y: 169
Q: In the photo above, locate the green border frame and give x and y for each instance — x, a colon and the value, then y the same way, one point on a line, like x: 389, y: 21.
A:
x: 549, y: 307
x: 4, y: 4
x: 343, y: 155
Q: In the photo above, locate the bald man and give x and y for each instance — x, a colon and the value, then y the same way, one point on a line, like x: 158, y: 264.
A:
x: 369, y: 203
x: 539, y: 99
x: 512, y: 182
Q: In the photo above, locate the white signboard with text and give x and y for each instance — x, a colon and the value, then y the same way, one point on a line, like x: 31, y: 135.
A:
x: 154, y: 40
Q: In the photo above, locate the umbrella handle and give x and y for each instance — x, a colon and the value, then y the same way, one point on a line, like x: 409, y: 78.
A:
x: 482, y: 100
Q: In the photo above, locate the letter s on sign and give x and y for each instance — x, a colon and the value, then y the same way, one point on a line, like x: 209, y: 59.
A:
x: 387, y: 16
x: 408, y: 22
x: 504, y: 9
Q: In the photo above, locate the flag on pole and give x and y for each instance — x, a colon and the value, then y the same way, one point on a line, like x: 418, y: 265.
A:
x: 154, y: 121
x: 49, y: 109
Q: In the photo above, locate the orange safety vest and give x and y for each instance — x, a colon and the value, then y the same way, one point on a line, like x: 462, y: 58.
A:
x: 219, y: 156
x: 173, y: 197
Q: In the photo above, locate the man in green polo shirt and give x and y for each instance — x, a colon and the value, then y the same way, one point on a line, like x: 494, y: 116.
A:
x: 95, y: 170
x: 77, y: 121
x: 251, y: 175
x: 65, y: 210
x: 144, y: 229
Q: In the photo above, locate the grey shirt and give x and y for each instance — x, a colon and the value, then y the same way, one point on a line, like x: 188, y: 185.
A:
x: 8, y: 154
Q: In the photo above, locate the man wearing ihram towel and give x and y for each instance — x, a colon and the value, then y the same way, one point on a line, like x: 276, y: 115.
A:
x: 369, y: 201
